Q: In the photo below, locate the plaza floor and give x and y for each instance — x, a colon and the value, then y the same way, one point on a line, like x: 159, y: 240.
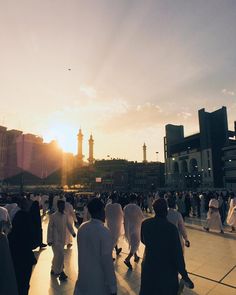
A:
x: 211, y: 263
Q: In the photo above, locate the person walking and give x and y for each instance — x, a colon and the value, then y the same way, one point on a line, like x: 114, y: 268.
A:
x: 114, y: 220
x: 58, y: 223
x: 96, y: 270
x: 213, y: 217
x: 163, y: 257
x: 176, y: 218
x: 133, y: 217
x: 69, y: 210
x: 231, y: 217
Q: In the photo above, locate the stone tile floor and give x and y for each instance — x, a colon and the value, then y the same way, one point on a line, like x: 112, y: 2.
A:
x: 211, y: 263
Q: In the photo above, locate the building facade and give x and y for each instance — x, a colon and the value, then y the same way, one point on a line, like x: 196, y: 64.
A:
x: 196, y: 161
x: 26, y: 153
x: 229, y: 159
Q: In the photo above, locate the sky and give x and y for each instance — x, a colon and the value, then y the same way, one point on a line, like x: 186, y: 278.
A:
x: 119, y: 69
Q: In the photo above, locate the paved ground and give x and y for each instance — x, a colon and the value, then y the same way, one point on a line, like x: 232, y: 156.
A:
x: 211, y: 263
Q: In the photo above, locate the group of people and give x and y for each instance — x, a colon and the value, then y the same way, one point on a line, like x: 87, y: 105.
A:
x: 163, y: 258
x: 21, y: 233
x: 107, y: 217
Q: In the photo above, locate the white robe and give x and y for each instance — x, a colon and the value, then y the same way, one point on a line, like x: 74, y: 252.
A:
x: 58, y: 223
x: 57, y: 236
x: 133, y: 217
x: 96, y: 270
x: 176, y: 218
x: 213, y: 216
x: 69, y: 210
x: 231, y: 219
x: 114, y: 220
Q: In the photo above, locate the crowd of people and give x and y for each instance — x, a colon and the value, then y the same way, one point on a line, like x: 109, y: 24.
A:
x: 155, y: 219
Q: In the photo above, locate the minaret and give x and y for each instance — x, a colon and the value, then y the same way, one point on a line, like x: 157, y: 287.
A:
x: 144, y: 153
x: 91, y: 143
x: 80, y: 147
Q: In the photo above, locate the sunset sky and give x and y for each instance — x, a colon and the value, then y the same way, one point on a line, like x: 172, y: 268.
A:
x: 120, y: 69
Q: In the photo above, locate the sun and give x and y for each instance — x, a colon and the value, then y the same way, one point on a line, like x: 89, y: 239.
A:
x: 64, y: 134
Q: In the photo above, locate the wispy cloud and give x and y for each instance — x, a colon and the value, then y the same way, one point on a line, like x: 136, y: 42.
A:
x: 144, y: 116
x: 89, y: 91
x: 184, y: 115
x: 227, y: 92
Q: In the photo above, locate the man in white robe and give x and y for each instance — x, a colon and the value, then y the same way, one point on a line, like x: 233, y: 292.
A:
x: 69, y: 210
x: 57, y: 239
x: 133, y: 217
x: 176, y: 218
x: 96, y: 270
x: 114, y: 220
x: 213, y: 217
x: 231, y: 218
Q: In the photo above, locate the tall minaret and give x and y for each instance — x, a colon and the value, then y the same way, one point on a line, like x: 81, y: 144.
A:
x: 91, y: 143
x: 80, y: 147
x: 144, y: 153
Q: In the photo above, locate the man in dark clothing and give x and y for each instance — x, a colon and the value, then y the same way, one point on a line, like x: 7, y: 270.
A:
x: 21, y: 245
x: 163, y: 257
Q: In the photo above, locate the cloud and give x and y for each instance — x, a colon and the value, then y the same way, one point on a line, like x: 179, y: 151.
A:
x: 227, y: 92
x: 144, y: 116
x: 184, y: 115
x: 89, y: 91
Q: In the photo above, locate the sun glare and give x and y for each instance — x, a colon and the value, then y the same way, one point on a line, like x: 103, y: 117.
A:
x: 64, y: 135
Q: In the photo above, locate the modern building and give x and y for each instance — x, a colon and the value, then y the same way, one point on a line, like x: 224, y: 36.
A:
x: 26, y: 154
x: 195, y: 161
x: 229, y: 159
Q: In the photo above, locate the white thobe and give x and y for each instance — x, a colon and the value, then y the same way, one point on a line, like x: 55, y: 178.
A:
x: 96, y: 269
x: 114, y: 220
x: 176, y: 218
x: 231, y: 213
x: 69, y: 210
x: 213, y: 216
x: 133, y: 217
x: 57, y: 236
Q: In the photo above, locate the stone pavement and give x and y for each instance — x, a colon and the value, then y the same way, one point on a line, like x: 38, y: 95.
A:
x: 211, y: 263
